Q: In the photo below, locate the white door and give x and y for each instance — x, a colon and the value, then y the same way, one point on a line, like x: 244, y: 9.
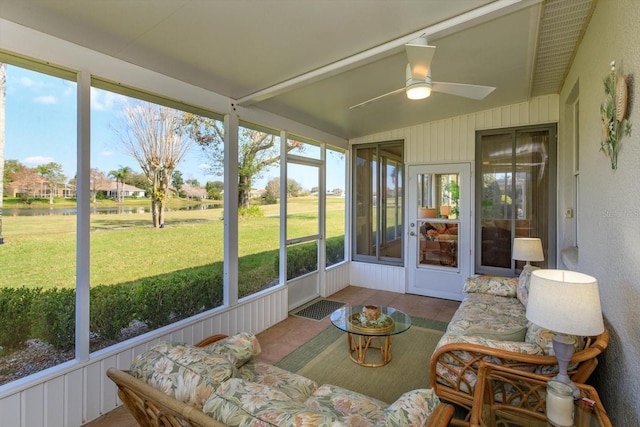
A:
x: 439, y: 218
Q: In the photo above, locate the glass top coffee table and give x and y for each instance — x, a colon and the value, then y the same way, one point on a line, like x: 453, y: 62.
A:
x: 370, y: 327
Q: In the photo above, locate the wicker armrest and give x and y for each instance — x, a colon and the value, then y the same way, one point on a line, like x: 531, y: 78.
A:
x: 152, y: 408
x: 441, y: 416
x: 210, y: 340
x: 464, y: 359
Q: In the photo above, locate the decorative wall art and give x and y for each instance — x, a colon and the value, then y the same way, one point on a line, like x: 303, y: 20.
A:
x: 614, y: 115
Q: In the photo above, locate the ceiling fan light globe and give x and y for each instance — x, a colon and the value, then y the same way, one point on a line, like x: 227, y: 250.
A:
x: 418, y: 91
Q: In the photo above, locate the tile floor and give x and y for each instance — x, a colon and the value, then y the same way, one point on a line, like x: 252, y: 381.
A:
x: 286, y: 336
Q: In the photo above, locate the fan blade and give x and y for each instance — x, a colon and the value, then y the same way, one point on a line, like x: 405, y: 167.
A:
x: 420, y: 55
x: 376, y: 98
x: 460, y: 89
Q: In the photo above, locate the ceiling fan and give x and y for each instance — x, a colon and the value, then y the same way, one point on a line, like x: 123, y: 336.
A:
x: 419, y: 85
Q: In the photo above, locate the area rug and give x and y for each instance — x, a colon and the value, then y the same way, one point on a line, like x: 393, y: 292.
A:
x: 319, y: 309
x: 325, y: 359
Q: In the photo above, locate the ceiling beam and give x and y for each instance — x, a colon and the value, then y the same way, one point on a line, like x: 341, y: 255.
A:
x: 466, y: 20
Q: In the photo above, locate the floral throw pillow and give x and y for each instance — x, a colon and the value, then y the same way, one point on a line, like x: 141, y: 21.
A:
x: 491, y: 285
x: 238, y: 349
x: 523, y: 283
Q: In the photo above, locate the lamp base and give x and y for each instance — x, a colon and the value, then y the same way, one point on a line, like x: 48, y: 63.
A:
x: 564, y: 347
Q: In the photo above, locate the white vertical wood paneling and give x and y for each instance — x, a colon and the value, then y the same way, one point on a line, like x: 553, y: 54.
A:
x: 336, y: 279
x: 54, y: 400
x: 82, y: 393
x: 376, y: 276
x: 33, y: 405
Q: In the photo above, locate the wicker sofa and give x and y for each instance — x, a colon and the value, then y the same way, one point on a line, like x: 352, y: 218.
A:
x: 219, y: 382
x: 491, y: 325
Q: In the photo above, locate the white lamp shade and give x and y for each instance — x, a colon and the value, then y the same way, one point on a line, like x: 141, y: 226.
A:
x: 527, y: 249
x: 566, y: 302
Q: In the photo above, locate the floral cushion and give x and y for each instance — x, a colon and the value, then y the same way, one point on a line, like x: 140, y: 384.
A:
x: 524, y: 280
x: 183, y: 372
x: 349, y: 406
x: 412, y: 409
x: 293, y: 385
x: 239, y: 348
x: 491, y: 285
x: 242, y: 403
x: 489, y: 312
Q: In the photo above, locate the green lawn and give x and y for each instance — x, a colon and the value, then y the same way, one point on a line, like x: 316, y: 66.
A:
x: 41, y: 251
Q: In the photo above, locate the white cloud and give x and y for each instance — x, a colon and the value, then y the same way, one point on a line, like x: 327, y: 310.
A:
x: 101, y: 100
x: 106, y: 153
x: 27, y: 82
x: 33, y: 161
x: 46, y: 99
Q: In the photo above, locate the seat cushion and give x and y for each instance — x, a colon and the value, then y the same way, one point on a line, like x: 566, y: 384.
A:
x: 348, y: 406
x: 488, y: 312
x: 295, y: 386
x: 237, y: 402
x: 186, y: 373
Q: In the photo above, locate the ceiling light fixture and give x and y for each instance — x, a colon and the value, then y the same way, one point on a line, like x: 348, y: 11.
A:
x: 417, y: 89
x: 420, y: 90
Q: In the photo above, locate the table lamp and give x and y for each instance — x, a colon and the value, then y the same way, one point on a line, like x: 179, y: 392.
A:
x: 527, y: 249
x: 568, y: 303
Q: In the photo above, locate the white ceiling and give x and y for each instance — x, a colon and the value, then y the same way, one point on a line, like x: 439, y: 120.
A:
x: 309, y: 60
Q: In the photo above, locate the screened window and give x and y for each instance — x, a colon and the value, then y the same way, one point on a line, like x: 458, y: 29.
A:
x: 378, y: 205
x: 37, y: 214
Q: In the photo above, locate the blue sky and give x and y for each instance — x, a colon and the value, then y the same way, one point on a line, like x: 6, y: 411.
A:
x: 41, y: 128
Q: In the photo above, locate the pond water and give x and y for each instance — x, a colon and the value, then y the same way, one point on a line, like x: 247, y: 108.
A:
x: 110, y: 210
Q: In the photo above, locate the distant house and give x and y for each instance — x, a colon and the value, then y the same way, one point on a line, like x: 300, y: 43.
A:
x: 256, y: 194
x: 199, y: 193
x: 110, y: 190
x: 38, y: 187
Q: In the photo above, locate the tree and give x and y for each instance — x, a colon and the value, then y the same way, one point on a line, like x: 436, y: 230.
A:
x: 177, y: 182
x: 214, y: 189
x: 3, y: 85
x: 52, y: 173
x: 193, y: 182
x: 28, y: 181
x: 294, y: 189
x: 257, y: 151
x: 120, y: 175
x: 97, y: 180
x: 272, y: 191
x: 139, y: 180
x: 153, y: 135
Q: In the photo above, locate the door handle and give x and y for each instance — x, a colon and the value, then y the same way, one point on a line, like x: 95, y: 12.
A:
x: 412, y: 233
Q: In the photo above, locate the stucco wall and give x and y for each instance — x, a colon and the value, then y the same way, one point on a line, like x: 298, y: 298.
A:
x: 609, y: 201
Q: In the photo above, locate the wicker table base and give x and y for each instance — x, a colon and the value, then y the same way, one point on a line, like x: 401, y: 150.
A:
x: 359, y: 345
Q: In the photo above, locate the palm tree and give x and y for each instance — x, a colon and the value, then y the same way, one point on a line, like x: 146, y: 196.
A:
x: 120, y: 175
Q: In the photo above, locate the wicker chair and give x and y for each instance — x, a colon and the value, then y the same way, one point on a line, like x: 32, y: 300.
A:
x: 464, y: 359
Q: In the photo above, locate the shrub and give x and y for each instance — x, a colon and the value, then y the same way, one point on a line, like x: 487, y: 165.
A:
x: 112, y: 308
x: 250, y: 212
x: 301, y: 259
x: 335, y: 250
x: 54, y: 314
x: 15, y: 310
x: 162, y: 300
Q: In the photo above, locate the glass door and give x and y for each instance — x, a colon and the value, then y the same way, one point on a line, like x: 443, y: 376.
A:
x: 515, y: 196
x: 439, y: 224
